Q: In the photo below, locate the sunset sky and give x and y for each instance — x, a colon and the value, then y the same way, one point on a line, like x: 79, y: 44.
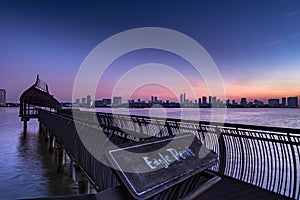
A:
x: 254, y: 44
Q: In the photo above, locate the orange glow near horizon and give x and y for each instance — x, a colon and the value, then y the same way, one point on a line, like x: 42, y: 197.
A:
x: 162, y: 93
x: 236, y: 92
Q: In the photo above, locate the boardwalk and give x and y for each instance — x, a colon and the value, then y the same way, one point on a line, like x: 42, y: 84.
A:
x: 254, y: 162
x: 228, y: 189
x: 231, y: 189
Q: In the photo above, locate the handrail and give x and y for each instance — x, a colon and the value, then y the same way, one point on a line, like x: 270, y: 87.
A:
x: 267, y: 157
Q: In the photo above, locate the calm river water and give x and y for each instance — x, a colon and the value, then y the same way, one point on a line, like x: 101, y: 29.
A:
x: 28, y: 170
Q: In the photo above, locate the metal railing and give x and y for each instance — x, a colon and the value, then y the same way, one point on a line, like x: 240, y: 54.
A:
x: 267, y: 157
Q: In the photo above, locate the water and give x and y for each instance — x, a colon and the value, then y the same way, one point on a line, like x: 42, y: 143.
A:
x: 28, y: 170
x: 275, y: 117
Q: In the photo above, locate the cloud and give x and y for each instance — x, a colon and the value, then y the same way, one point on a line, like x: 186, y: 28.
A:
x: 274, y: 42
x: 292, y: 13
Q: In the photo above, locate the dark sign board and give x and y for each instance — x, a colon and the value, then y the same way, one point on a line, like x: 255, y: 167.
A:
x: 149, y: 168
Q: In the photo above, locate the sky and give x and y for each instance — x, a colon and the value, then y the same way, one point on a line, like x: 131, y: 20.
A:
x: 254, y: 44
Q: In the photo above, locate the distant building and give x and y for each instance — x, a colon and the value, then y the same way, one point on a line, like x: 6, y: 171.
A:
x: 283, y: 104
x: 209, y: 99
x: 227, y: 101
x: 204, y: 100
x: 107, y: 102
x: 258, y: 103
x: 244, y: 101
x: 293, y: 102
x: 199, y: 101
x: 213, y: 100
x: 98, y: 103
x: 2, y: 97
x: 273, y: 102
x: 181, y: 98
x: 77, y: 101
x: 117, y: 101
x: 88, y: 100
x: 152, y: 99
x: 83, y: 100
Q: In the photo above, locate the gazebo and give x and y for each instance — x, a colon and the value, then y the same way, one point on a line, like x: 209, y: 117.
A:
x: 35, y: 97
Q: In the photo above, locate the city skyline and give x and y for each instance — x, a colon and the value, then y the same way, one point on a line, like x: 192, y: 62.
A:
x: 117, y: 101
x: 257, y: 55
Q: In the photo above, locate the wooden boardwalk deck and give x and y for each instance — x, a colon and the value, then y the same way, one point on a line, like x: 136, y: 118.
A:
x: 231, y: 189
x: 227, y: 189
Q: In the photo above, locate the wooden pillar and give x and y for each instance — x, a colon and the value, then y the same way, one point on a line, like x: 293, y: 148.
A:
x: 46, y: 134
x: 82, y: 182
x: 40, y: 127
x: 84, y: 187
x: 25, y: 127
x: 60, y: 159
x: 24, y: 119
x: 51, y: 143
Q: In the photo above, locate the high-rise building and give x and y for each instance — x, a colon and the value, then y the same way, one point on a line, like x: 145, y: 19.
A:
x: 227, y: 101
x: 183, y: 99
x: 283, y: 104
x: 244, y: 101
x: 204, y: 100
x: 152, y: 99
x: 293, y: 102
x: 199, y: 101
x: 258, y: 103
x: 213, y: 100
x: 83, y: 100
x: 106, y: 102
x: 273, y: 102
x: 2, y: 97
x: 88, y: 100
x: 117, y: 101
x: 209, y: 99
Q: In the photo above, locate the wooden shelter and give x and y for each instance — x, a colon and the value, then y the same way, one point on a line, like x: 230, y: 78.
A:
x: 35, y: 97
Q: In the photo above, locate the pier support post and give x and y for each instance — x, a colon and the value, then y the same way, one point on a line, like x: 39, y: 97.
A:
x: 25, y: 127
x: 82, y: 182
x: 84, y: 187
x: 40, y: 127
x: 46, y: 135
x: 51, y: 143
x: 24, y: 119
x: 60, y: 159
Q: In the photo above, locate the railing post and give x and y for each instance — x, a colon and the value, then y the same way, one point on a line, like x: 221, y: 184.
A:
x: 222, y: 154
x: 294, y: 165
x: 167, y: 124
x: 242, y: 154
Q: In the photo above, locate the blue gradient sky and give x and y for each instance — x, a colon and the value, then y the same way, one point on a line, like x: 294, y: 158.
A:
x: 255, y: 44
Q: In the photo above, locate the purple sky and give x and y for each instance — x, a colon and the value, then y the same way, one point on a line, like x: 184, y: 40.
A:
x: 255, y: 44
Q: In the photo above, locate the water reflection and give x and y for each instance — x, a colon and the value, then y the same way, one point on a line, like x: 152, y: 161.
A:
x: 41, y: 176
x: 27, y: 169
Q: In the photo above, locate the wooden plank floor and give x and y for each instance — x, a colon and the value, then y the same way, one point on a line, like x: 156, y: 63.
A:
x: 227, y: 189
x: 230, y: 189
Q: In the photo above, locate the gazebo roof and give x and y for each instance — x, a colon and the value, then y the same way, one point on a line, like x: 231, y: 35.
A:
x: 38, y: 94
